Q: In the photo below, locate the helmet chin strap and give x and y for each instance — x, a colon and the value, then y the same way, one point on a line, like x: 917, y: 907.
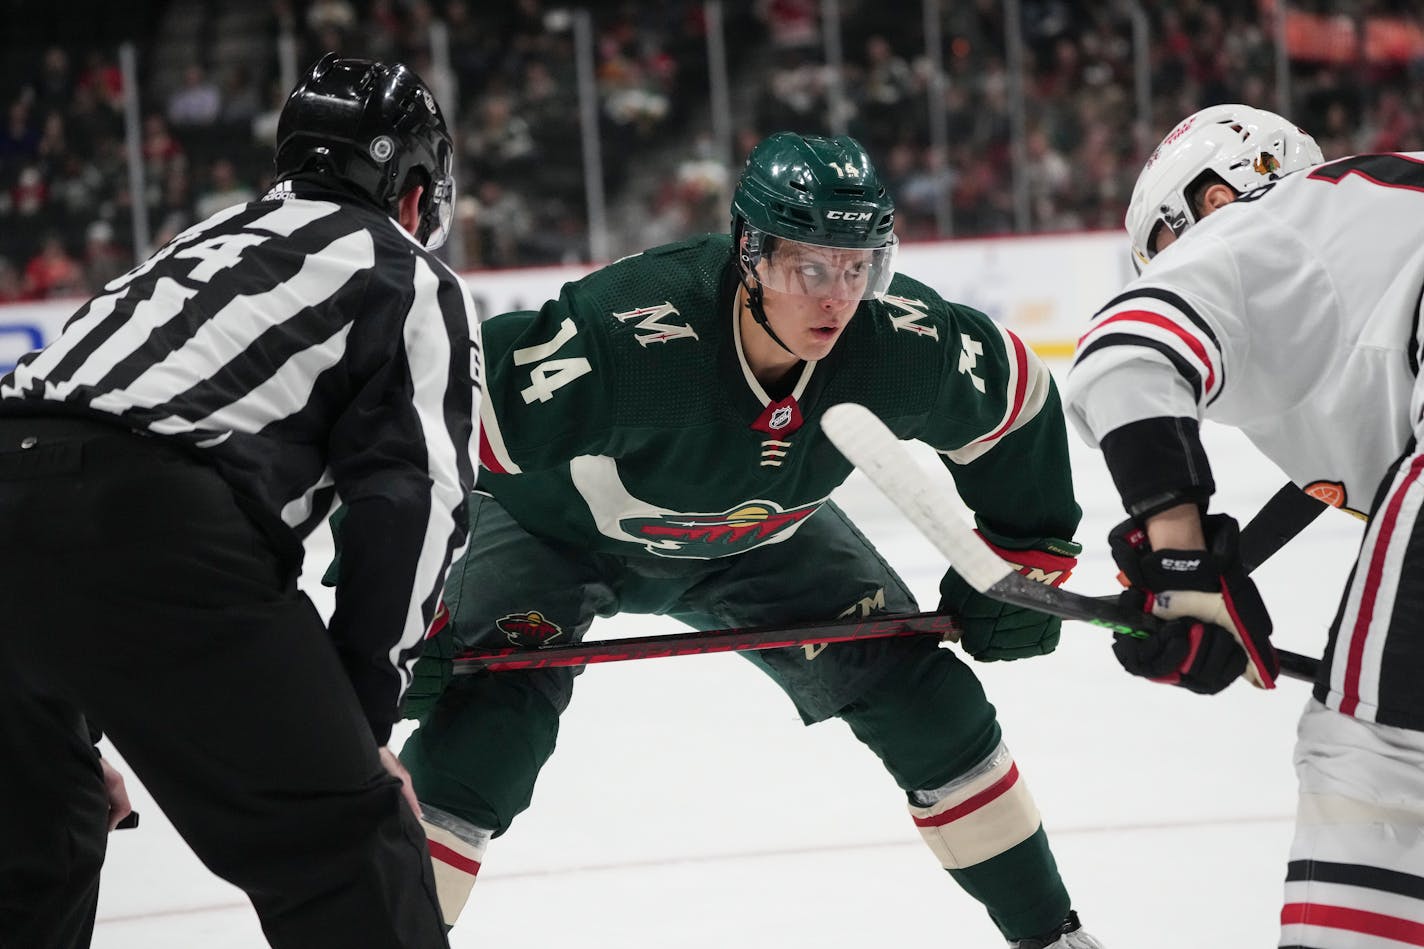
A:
x: 754, y: 301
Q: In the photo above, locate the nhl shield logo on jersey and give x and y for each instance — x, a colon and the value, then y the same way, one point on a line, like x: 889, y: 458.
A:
x: 717, y: 535
x: 780, y: 418
x: 528, y: 629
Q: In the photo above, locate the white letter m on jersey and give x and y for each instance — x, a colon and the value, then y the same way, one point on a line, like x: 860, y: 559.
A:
x: 650, y: 319
x: 908, y: 320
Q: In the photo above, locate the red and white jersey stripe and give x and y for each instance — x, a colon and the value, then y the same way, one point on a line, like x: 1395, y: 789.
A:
x: 493, y: 455
x: 1026, y: 390
x: 1382, y: 599
x: 1161, y: 321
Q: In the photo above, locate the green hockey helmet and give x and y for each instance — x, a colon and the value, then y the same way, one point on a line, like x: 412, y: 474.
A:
x: 810, y: 216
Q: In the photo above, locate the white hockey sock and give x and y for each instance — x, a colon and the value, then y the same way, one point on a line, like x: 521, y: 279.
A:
x: 457, y: 848
x: 977, y: 815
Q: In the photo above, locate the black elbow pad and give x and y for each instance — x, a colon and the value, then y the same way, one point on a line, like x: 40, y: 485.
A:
x: 1158, y: 463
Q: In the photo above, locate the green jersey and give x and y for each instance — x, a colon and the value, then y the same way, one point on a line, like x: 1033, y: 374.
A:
x: 623, y: 418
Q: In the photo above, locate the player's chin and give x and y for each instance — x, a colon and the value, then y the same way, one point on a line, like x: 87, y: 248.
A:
x: 818, y: 341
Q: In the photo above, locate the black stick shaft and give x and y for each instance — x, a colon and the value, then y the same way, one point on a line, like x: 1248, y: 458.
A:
x: 1289, y: 511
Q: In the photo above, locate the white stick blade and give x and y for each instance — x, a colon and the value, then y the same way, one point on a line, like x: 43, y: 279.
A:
x: 869, y: 444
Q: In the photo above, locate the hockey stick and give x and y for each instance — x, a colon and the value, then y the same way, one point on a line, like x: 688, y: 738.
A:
x: 1286, y: 514
x: 1278, y: 521
x: 1289, y: 511
x: 927, y: 502
x: 693, y: 643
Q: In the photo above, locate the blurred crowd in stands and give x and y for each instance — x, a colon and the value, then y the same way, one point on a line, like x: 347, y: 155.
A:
x: 209, y: 92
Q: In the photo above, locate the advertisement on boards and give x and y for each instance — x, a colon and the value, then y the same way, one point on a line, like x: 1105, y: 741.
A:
x: 1044, y: 288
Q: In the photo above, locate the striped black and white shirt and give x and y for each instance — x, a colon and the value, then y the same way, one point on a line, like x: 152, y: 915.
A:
x: 309, y: 348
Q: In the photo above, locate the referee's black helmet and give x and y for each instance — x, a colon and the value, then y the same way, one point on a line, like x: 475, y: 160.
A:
x: 376, y: 127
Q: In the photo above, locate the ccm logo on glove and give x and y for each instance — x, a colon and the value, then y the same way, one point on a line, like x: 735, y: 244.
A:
x: 1218, y: 628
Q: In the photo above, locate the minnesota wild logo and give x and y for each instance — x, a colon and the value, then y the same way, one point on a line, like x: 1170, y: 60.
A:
x: 717, y: 535
x: 528, y: 629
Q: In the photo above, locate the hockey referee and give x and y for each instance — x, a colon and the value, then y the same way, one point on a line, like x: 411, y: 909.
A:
x: 161, y: 462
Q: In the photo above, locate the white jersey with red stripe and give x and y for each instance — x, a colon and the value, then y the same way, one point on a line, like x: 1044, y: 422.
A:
x: 1294, y: 315
x: 1291, y: 314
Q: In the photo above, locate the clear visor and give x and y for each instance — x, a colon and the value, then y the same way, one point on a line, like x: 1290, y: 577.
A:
x: 1174, y: 216
x: 813, y: 270
x: 439, y: 213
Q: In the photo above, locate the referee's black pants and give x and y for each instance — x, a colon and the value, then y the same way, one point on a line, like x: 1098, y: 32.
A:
x: 135, y: 593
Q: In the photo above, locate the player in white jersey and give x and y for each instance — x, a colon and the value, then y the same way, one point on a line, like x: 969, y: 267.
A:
x: 1292, y: 313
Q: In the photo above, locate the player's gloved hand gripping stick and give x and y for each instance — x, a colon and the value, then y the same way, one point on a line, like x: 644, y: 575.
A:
x: 1216, y: 627
x: 928, y: 503
x: 993, y: 629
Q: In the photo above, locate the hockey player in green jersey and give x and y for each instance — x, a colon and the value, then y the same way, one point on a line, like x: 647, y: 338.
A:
x: 651, y: 444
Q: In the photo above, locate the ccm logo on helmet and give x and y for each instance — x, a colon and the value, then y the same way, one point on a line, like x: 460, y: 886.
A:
x: 848, y: 215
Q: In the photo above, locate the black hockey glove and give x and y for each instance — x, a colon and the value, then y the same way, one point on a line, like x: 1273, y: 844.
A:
x: 1218, y: 628
x: 991, y: 629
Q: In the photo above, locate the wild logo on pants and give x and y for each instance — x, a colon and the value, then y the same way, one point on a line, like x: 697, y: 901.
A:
x: 529, y: 629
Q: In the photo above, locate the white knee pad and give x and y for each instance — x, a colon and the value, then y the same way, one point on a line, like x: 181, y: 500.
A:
x: 457, y: 848
x: 978, y: 815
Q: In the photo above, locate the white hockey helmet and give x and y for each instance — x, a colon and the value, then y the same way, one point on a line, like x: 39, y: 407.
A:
x: 1246, y: 147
